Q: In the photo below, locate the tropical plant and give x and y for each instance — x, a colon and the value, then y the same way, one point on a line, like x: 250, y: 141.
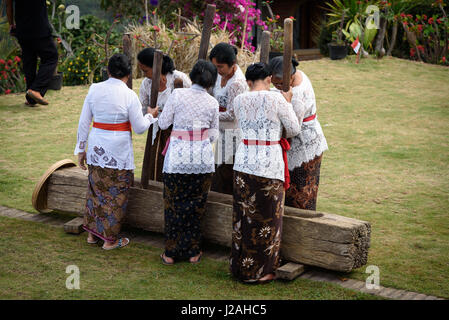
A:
x: 357, y: 15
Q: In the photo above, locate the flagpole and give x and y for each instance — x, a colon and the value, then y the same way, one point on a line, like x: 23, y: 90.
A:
x: 358, y: 55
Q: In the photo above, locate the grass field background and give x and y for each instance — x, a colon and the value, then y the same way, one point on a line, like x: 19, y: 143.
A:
x: 387, y: 125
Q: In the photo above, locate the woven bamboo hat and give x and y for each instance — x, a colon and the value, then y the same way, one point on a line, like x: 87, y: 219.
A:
x: 39, y: 198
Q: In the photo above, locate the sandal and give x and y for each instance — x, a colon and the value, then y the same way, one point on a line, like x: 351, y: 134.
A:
x: 197, y: 261
x: 119, y: 244
x: 165, y: 262
x: 92, y: 242
x: 37, y: 99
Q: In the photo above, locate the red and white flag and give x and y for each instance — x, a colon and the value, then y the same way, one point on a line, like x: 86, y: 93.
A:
x: 356, y: 45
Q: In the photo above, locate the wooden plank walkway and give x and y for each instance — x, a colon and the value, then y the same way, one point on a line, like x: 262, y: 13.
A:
x: 222, y: 254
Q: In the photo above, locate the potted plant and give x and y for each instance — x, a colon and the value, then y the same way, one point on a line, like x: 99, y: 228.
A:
x: 277, y: 33
x: 338, y: 49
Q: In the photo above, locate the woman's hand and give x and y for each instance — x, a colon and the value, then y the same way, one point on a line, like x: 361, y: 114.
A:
x: 82, y: 160
x: 153, y: 111
x: 288, y: 95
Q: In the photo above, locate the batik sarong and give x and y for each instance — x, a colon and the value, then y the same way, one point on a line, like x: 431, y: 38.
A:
x: 185, y: 197
x: 107, y: 200
x: 257, y: 226
x: 304, y: 182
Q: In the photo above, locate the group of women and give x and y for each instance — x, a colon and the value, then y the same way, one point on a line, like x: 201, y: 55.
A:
x: 216, y: 129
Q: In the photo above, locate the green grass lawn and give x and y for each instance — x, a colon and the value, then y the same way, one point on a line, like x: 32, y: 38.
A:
x: 386, y: 123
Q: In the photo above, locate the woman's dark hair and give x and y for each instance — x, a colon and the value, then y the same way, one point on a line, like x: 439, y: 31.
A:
x: 224, y: 53
x: 119, y: 66
x: 146, y: 57
x: 257, y: 71
x: 276, y: 65
x: 204, y: 73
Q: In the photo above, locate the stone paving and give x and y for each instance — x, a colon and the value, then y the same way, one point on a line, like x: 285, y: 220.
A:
x: 221, y: 254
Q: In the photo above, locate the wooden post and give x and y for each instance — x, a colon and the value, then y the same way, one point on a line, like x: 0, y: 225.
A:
x: 207, y: 28
x: 157, y: 67
x: 265, y: 47
x: 128, y: 51
x: 288, y: 51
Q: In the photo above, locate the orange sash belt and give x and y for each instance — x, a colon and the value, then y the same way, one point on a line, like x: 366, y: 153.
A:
x: 285, y: 147
x: 124, y: 126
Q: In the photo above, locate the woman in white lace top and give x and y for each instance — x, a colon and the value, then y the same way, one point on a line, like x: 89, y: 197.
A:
x: 188, y: 163
x: 259, y: 176
x: 304, y: 157
x: 230, y: 83
x: 115, y: 109
x: 170, y: 79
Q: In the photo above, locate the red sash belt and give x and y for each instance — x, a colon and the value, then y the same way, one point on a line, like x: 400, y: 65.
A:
x: 124, y: 126
x: 310, y: 118
x: 222, y: 109
x: 285, y: 147
x: 195, y: 135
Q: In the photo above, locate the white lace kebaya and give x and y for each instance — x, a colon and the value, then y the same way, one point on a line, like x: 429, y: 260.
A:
x: 110, y: 102
x: 145, y: 94
x: 225, y: 97
x: 145, y: 89
x: 311, y: 141
x: 261, y: 115
x: 190, y: 109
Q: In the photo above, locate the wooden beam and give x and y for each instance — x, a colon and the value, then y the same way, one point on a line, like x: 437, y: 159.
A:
x: 128, y: 51
x: 289, y: 271
x: 265, y: 47
x: 207, y: 29
x: 74, y: 226
x: 313, y: 238
x: 157, y: 68
x: 288, y: 51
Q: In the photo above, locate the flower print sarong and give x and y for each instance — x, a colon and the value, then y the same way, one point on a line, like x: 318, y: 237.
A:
x: 257, y: 226
x: 107, y: 200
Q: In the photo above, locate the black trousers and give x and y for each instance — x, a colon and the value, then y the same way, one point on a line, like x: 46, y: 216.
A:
x: 45, y: 49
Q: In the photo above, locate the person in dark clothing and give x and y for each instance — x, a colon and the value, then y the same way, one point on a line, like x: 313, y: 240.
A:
x: 31, y: 27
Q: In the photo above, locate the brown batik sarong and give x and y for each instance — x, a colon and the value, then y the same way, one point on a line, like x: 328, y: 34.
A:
x: 304, y: 183
x: 156, y: 158
x: 257, y: 226
x: 107, y: 199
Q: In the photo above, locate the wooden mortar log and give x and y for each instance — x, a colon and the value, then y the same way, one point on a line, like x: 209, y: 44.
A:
x: 313, y: 238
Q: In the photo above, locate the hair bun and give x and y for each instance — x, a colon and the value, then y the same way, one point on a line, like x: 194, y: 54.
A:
x: 295, y: 62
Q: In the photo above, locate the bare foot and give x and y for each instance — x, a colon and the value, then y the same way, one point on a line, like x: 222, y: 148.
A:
x: 167, y: 259
x: 268, y: 277
x: 196, y: 258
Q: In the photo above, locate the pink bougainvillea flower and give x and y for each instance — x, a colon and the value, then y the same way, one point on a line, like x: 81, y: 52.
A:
x: 444, y: 59
x: 8, y: 91
x: 10, y: 62
x: 431, y: 21
x: 17, y: 59
x: 2, y: 61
